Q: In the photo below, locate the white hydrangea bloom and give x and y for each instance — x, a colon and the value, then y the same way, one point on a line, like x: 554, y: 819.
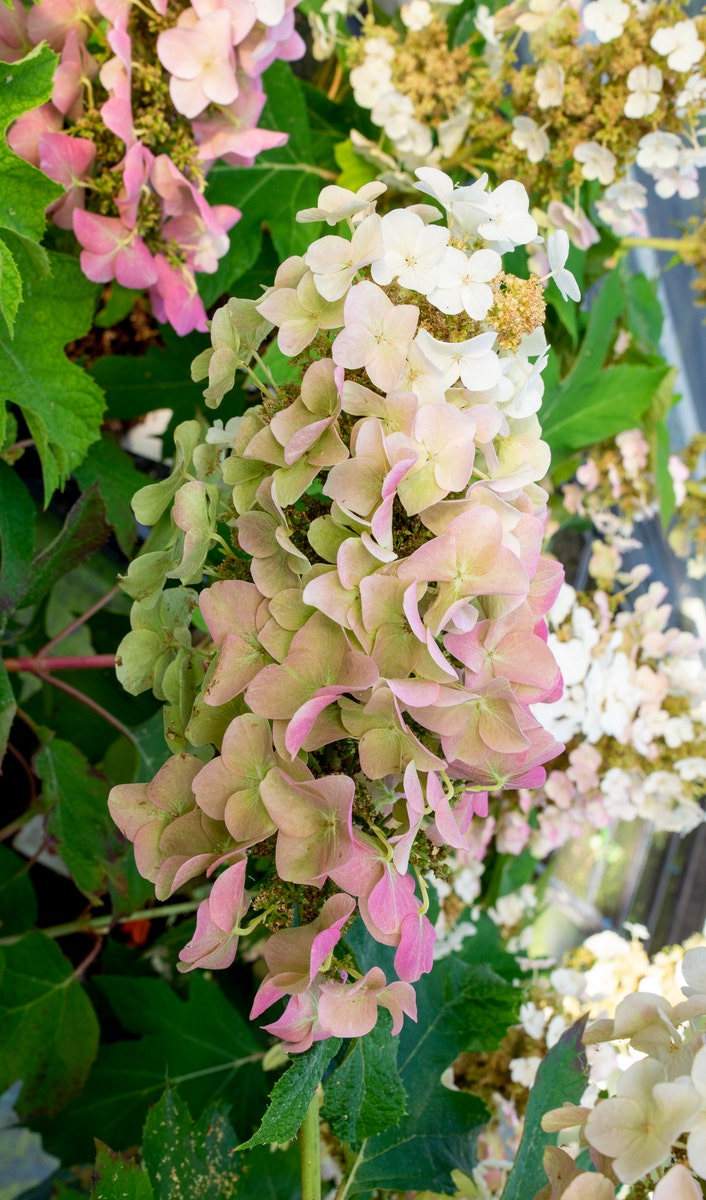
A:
x: 463, y: 282
x: 379, y: 49
x: 680, y: 44
x: 660, y: 150
x: 645, y: 86
x: 549, y: 85
x: 416, y: 142
x: 529, y: 136
x: 416, y: 15
x: 393, y: 112
x: 606, y: 18
x: 370, y: 81
x: 596, y: 161
x: 532, y: 1019
x: 557, y: 253
x: 524, y: 1070
x: 693, y: 92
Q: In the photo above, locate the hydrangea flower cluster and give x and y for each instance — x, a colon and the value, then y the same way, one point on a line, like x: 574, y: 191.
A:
x: 599, y: 977
x: 616, y: 489
x: 652, y: 1125
x: 376, y: 632
x: 633, y: 718
x: 609, y: 84
x: 145, y: 100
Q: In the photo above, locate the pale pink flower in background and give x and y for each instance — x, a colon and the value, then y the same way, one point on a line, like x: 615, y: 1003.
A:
x: 14, y: 40
x: 75, y: 67
x: 68, y: 161
x: 574, y: 220
x: 116, y: 77
x: 231, y: 132
x: 175, y: 299
x: 113, y: 251
x: 51, y: 22
x: 25, y: 134
x: 137, y: 165
x: 242, y: 15
x: 201, y: 63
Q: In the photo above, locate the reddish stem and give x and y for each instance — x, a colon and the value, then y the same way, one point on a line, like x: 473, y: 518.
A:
x: 97, y: 708
x: 79, y: 621
x: 38, y: 664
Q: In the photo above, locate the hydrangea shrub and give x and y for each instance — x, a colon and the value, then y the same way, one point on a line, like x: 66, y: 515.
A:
x: 371, y: 534
x: 146, y: 99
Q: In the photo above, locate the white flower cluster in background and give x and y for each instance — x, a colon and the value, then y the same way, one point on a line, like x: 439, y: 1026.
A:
x: 633, y: 717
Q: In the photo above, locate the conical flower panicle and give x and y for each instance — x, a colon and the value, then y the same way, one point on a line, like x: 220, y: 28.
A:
x: 377, y: 624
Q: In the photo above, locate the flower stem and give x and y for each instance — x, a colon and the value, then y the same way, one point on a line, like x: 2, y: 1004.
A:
x: 103, y: 924
x: 310, y: 1152
x: 38, y: 664
x: 674, y: 245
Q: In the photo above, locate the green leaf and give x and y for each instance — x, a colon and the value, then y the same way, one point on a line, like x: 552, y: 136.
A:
x: 355, y: 171
x: 25, y: 192
x: 118, y: 306
x: 188, y: 1160
x: 461, y: 1007
x: 84, y: 531
x: 18, y: 904
x: 271, y: 1175
x: 50, y: 1032
x: 161, y: 378
x: 365, y: 1095
x: 80, y: 819
x: 201, y: 1044
x: 17, y: 517
x: 151, y: 745
x: 61, y: 404
x: 644, y: 311
x: 561, y: 1079
x: 10, y: 287
x: 119, y: 1179
x: 657, y: 433
x: 283, y: 180
x: 291, y: 1095
x: 117, y: 480
x: 8, y: 709
x: 616, y: 399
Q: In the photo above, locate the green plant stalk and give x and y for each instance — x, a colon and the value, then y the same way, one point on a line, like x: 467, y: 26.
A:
x: 310, y: 1152
x: 101, y: 925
